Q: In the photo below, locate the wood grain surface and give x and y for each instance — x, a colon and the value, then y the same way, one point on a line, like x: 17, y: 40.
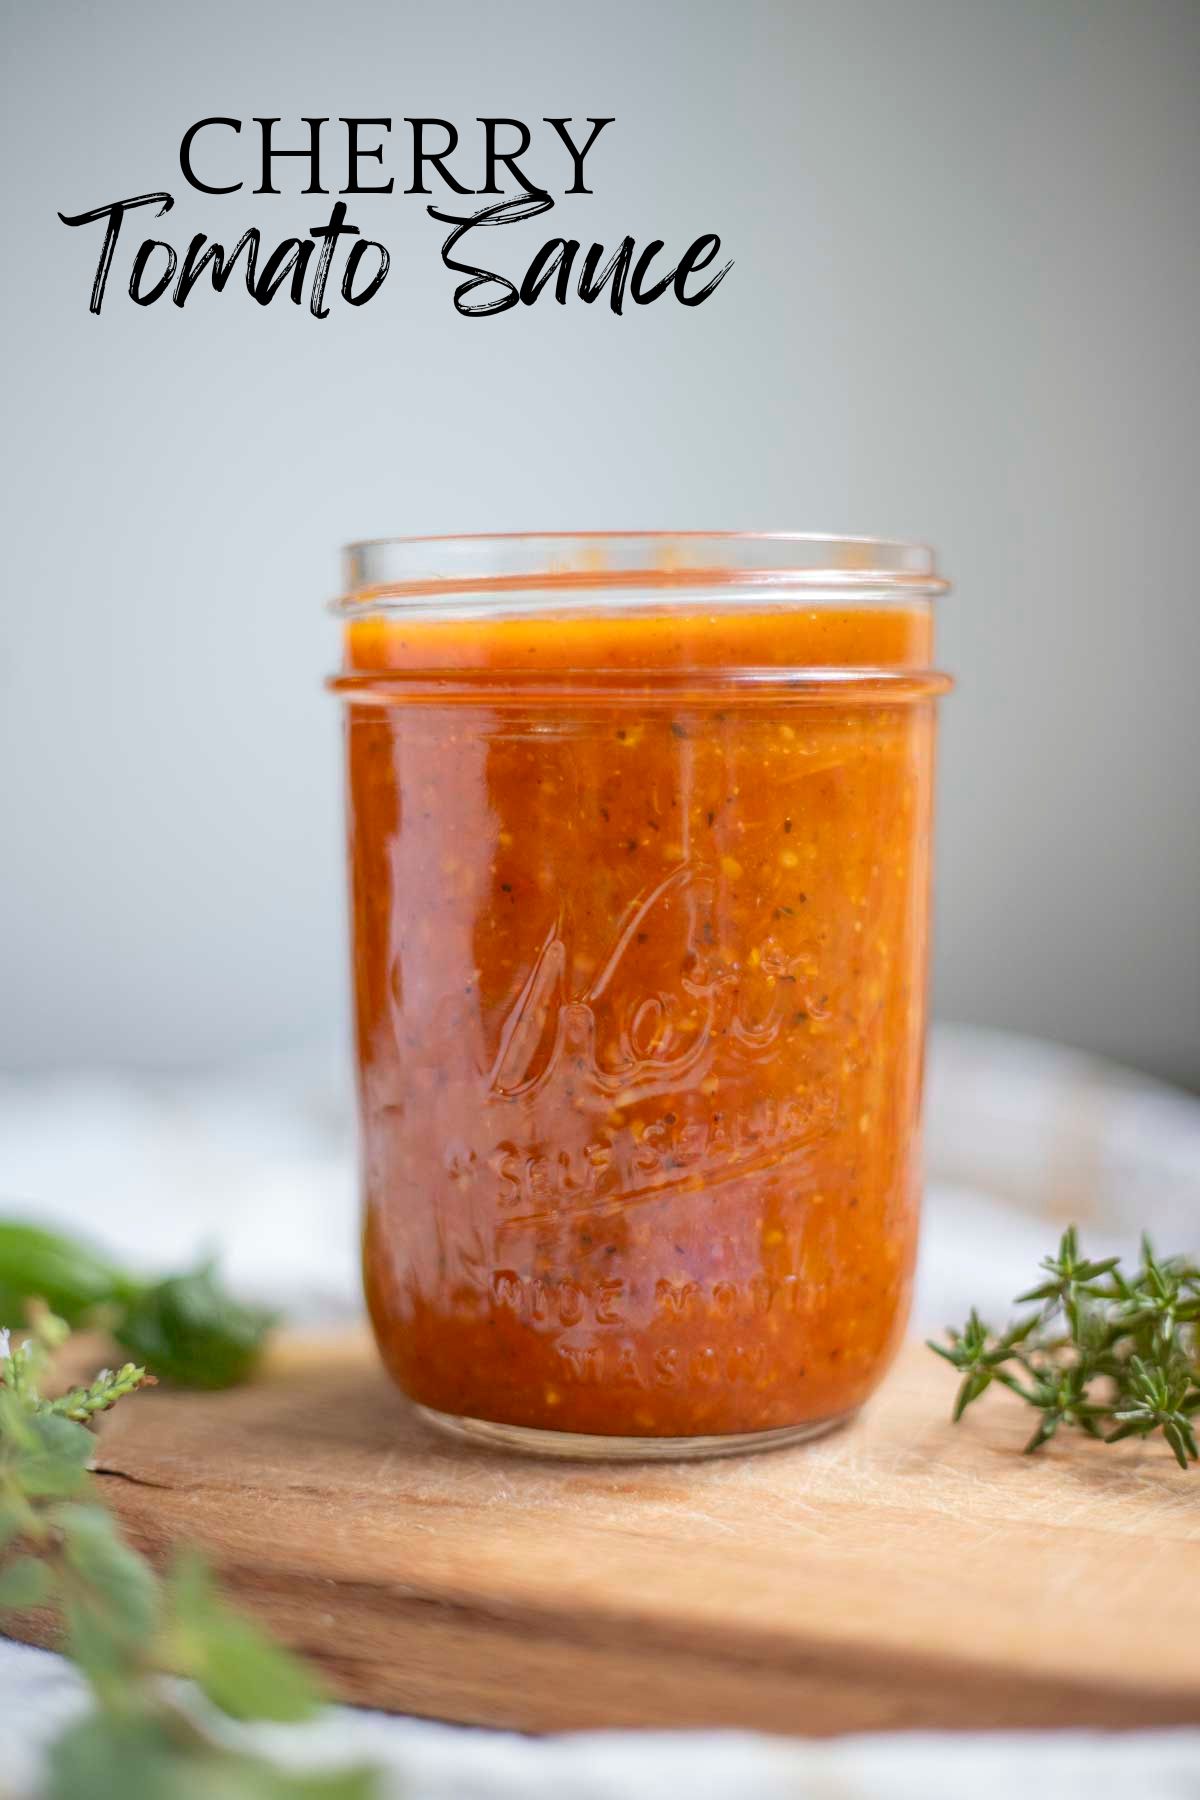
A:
x: 901, y: 1573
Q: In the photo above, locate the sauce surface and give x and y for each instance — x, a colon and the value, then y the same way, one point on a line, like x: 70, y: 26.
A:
x: 640, y: 986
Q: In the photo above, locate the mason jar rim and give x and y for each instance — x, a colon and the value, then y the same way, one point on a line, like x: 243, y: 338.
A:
x: 395, y: 573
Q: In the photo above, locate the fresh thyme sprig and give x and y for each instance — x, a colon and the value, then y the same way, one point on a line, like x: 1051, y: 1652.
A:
x: 1109, y: 1355
x: 124, y: 1627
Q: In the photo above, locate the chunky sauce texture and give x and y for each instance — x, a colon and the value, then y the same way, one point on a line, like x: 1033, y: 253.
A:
x: 640, y: 966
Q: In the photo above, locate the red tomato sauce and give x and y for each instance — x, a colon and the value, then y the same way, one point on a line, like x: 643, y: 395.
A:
x: 640, y: 928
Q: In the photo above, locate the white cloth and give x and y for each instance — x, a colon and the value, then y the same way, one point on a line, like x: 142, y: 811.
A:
x: 423, y: 1761
x: 1023, y: 1138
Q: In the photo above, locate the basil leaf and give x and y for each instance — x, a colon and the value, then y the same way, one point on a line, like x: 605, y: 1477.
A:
x: 71, y: 1277
x: 189, y: 1331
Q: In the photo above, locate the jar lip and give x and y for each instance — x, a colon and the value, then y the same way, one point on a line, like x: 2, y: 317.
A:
x: 553, y: 566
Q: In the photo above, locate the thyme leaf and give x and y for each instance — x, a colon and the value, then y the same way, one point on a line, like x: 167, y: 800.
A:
x: 1111, y: 1355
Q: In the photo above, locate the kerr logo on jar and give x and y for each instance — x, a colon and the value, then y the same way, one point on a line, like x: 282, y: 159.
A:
x: 667, y: 1001
x: 635, y: 1071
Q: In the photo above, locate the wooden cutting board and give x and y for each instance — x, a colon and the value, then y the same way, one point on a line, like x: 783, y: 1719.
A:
x: 903, y: 1572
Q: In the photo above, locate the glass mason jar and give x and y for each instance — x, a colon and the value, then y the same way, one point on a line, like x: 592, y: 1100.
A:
x: 639, y: 834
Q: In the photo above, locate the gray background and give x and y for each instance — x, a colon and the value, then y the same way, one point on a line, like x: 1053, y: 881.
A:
x: 964, y: 308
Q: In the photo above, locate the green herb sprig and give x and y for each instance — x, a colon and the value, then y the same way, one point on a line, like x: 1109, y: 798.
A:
x: 126, y: 1629
x: 1105, y: 1354
x: 186, y: 1328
